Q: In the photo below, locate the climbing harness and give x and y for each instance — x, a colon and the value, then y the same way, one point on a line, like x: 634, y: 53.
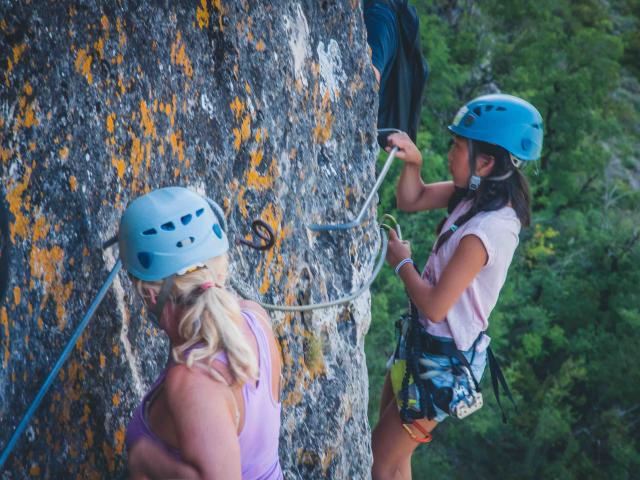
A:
x: 63, y: 357
x: 419, y: 395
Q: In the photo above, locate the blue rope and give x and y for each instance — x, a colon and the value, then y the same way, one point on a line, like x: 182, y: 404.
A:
x: 63, y: 357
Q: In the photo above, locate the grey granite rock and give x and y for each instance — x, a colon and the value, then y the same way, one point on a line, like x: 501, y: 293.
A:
x: 265, y: 106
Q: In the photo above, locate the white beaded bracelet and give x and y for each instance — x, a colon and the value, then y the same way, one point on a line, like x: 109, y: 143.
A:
x: 402, y: 263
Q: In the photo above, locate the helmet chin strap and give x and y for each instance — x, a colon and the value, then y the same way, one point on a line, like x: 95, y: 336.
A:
x: 501, y: 177
x: 155, y: 313
x: 474, y: 180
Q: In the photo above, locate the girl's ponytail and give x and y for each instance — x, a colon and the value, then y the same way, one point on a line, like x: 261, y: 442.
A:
x: 209, y: 321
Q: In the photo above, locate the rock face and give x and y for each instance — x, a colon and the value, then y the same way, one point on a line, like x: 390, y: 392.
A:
x: 267, y: 107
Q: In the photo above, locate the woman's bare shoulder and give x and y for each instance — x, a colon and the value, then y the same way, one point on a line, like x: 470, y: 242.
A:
x: 255, y: 307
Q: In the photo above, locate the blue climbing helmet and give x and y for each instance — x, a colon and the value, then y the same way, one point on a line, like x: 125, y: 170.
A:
x: 504, y: 120
x: 169, y: 231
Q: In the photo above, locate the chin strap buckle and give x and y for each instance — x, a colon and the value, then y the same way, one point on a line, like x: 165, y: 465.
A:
x: 474, y: 182
x: 427, y: 437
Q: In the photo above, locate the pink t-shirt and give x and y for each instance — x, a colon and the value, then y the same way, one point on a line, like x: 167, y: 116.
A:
x: 498, y: 231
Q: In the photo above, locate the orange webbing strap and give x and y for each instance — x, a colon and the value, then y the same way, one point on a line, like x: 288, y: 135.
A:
x: 425, y: 439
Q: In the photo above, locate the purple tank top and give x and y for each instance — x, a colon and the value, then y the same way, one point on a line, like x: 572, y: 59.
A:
x: 261, y: 430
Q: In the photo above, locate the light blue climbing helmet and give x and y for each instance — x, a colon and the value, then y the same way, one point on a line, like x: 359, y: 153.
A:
x: 168, y: 232
x: 504, y: 120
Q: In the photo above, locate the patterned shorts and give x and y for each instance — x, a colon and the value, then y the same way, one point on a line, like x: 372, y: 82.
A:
x: 443, y: 371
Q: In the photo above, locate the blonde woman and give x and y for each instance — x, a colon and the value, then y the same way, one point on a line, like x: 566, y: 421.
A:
x: 214, y: 411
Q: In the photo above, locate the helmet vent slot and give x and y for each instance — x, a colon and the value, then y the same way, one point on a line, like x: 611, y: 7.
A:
x: 145, y: 259
x: 477, y: 111
x: 186, y: 219
x: 150, y: 231
x: 169, y: 226
x: 217, y: 230
x: 488, y: 108
x: 501, y: 109
x: 199, y: 212
x: 185, y: 242
x: 536, y: 125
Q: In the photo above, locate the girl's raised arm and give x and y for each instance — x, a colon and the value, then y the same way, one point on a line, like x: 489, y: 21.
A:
x: 412, y: 194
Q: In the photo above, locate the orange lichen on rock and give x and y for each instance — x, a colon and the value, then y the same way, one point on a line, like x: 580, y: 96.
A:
x: 177, y: 145
x: 104, y: 22
x: 98, y: 45
x: 273, y: 216
x: 217, y: 4
x: 324, y: 120
x: 83, y: 64
x: 118, y: 163
x: 46, y: 265
x: 4, y: 319
x: 245, y: 129
x: 179, y: 56
x: 259, y: 182
x: 146, y: 120
x: 136, y: 156
x: 5, y: 153
x: 17, y: 51
x: 202, y: 14
x: 237, y: 138
x: 237, y: 107
x: 111, y: 122
x: 119, y: 438
x: 19, y: 204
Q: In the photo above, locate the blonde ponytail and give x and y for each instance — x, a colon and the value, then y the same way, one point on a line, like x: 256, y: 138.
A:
x: 209, y: 317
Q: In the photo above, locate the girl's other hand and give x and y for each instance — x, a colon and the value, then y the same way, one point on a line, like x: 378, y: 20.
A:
x: 397, y: 250
x: 407, y: 150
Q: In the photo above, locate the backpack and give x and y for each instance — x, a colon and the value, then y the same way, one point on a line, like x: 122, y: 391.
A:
x: 402, y: 96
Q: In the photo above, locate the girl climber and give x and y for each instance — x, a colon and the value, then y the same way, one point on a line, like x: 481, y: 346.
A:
x: 442, y: 348
x: 214, y: 411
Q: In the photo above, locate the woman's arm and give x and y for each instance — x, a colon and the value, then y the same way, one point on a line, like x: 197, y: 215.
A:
x: 147, y: 460
x: 204, y: 414
x: 434, y: 302
x: 412, y: 194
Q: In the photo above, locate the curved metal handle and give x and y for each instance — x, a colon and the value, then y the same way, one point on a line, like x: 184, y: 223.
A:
x: 360, y: 218
x: 316, y: 306
x: 259, y: 228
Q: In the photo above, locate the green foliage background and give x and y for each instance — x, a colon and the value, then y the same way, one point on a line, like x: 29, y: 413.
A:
x: 567, y: 325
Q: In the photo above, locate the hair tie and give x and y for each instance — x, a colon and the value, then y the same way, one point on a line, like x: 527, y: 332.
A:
x: 206, y: 286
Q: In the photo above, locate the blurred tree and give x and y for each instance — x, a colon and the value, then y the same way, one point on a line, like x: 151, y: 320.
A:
x: 567, y: 324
